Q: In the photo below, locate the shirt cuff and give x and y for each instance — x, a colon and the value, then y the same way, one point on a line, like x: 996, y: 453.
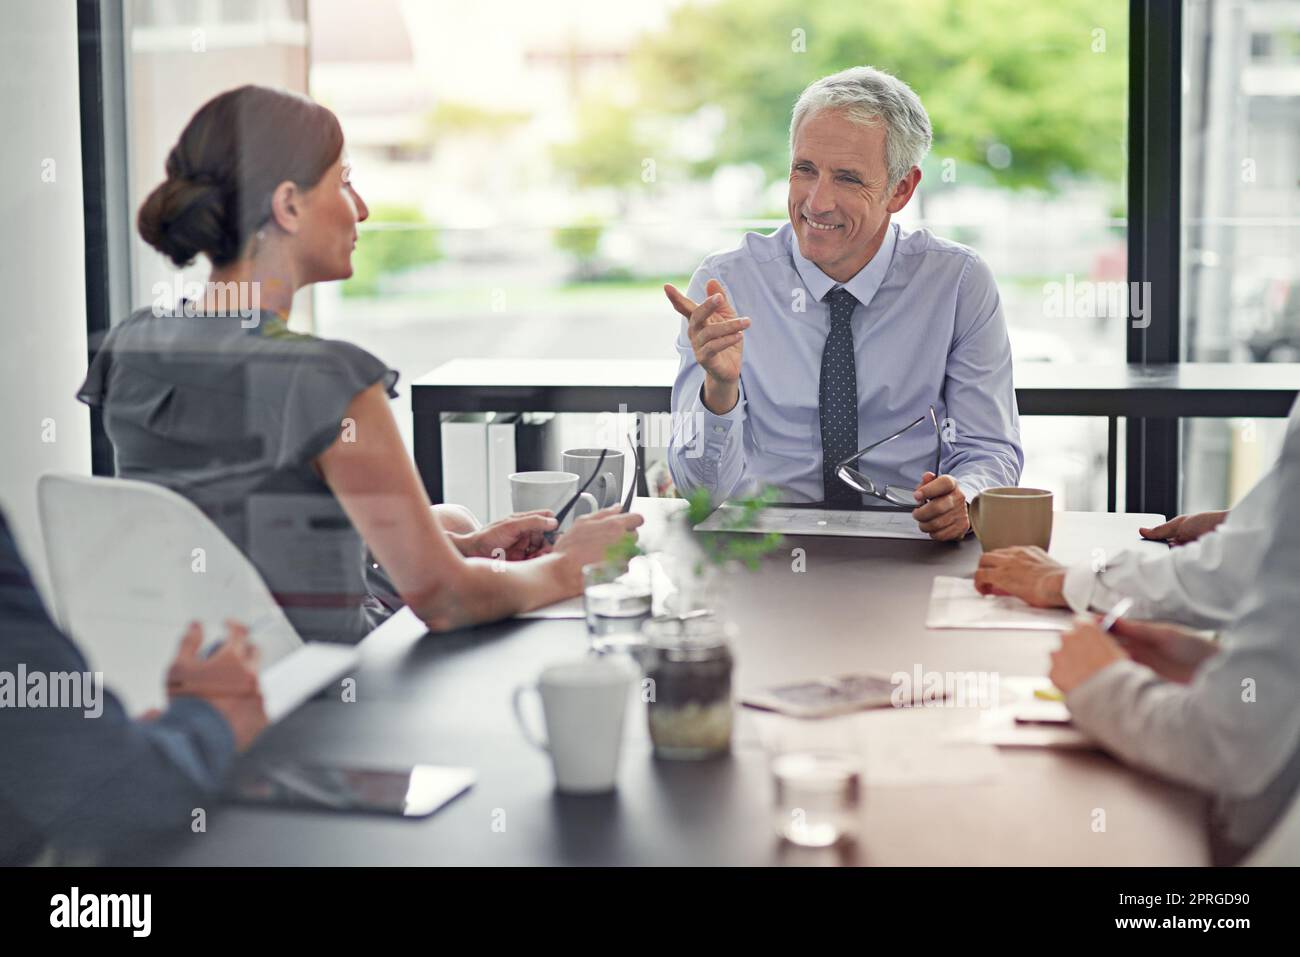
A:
x: 716, y: 429
x: 734, y: 414
x: 1079, y: 587
x: 972, y: 485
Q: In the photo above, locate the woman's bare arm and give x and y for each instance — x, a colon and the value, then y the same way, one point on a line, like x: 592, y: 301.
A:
x: 376, y: 483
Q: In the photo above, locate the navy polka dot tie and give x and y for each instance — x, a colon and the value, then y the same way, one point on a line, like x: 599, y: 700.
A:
x: 838, y: 401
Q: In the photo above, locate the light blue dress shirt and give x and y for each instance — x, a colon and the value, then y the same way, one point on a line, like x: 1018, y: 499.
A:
x: 928, y: 330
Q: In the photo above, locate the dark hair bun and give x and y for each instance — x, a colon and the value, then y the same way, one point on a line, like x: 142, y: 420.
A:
x: 182, y: 218
x: 226, y: 166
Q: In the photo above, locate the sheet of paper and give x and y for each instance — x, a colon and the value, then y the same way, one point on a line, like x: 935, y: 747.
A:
x: 954, y: 603
x: 999, y: 727
x: 820, y: 521
x: 895, y: 762
x: 898, y: 747
x: 568, y: 608
x: 295, y: 678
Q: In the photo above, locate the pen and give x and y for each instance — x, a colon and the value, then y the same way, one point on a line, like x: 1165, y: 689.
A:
x: 1117, y: 611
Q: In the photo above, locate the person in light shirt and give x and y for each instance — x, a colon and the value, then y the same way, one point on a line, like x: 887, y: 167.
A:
x: 799, y: 348
x: 1200, y: 582
x: 1220, y: 715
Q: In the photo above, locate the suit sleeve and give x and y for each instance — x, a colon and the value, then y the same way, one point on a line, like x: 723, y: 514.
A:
x: 91, y: 777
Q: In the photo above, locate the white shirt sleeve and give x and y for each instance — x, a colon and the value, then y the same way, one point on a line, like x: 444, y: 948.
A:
x: 1236, y: 727
x: 1200, y: 584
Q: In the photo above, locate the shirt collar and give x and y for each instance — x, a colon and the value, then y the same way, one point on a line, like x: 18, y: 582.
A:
x: 863, y: 285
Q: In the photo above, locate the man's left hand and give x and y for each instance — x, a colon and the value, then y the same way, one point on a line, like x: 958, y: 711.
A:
x: 943, y: 517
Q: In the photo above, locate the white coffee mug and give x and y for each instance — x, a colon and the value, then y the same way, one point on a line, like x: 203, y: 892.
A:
x: 584, y: 702
x: 607, y: 486
x: 534, y: 490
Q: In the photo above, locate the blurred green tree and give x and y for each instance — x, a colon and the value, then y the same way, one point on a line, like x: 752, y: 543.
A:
x: 581, y: 241
x: 387, y: 251
x: 1019, y: 94
x: 609, y: 148
x: 450, y: 117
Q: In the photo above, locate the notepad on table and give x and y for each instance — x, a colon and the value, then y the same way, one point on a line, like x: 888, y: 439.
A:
x: 954, y: 603
x: 1023, y: 720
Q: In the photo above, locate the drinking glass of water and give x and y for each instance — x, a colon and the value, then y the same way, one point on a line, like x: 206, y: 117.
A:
x: 817, y: 797
x: 617, y: 599
x: 817, y: 768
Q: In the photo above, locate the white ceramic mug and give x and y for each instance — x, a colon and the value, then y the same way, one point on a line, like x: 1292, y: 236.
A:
x: 607, y: 486
x: 584, y: 702
x: 533, y: 490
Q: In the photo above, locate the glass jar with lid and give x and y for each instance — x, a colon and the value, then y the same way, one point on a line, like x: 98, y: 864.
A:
x: 687, y: 663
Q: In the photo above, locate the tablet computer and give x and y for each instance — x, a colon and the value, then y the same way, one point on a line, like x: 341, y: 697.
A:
x: 415, y: 791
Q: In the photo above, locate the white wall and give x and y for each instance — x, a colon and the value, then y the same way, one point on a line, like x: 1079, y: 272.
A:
x: 42, y: 262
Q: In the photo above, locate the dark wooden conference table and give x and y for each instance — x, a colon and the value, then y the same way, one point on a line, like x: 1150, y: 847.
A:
x: 859, y: 605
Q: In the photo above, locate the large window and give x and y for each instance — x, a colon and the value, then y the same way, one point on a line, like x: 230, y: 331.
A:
x: 180, y: 53
x: 1240, y: 208
x: 536, y: 172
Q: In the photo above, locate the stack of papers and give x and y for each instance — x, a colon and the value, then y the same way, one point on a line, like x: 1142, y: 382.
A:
x: 954, y: 603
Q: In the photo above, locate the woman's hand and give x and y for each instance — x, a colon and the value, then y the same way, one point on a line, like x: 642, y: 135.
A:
x: 591, y: 536
x: 511, y: 539
x: 1085, y: 650
x: 1171, y: 651
x: 1024, y: 571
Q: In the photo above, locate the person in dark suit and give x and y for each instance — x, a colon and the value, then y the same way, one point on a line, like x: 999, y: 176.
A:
x: 89, y: 778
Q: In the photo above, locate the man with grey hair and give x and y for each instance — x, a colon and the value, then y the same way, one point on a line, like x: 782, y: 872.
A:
x: 850, y: 329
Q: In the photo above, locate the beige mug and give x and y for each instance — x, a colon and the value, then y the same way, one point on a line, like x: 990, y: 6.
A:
x: 1002, y: 517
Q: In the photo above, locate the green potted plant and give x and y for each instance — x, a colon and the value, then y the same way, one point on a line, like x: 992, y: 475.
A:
x: 695, y: 561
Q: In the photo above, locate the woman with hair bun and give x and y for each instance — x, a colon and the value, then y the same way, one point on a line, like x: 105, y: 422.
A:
x: 286, y: 441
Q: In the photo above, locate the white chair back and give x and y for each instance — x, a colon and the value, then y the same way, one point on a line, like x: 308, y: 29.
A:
x: 131, y: 564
